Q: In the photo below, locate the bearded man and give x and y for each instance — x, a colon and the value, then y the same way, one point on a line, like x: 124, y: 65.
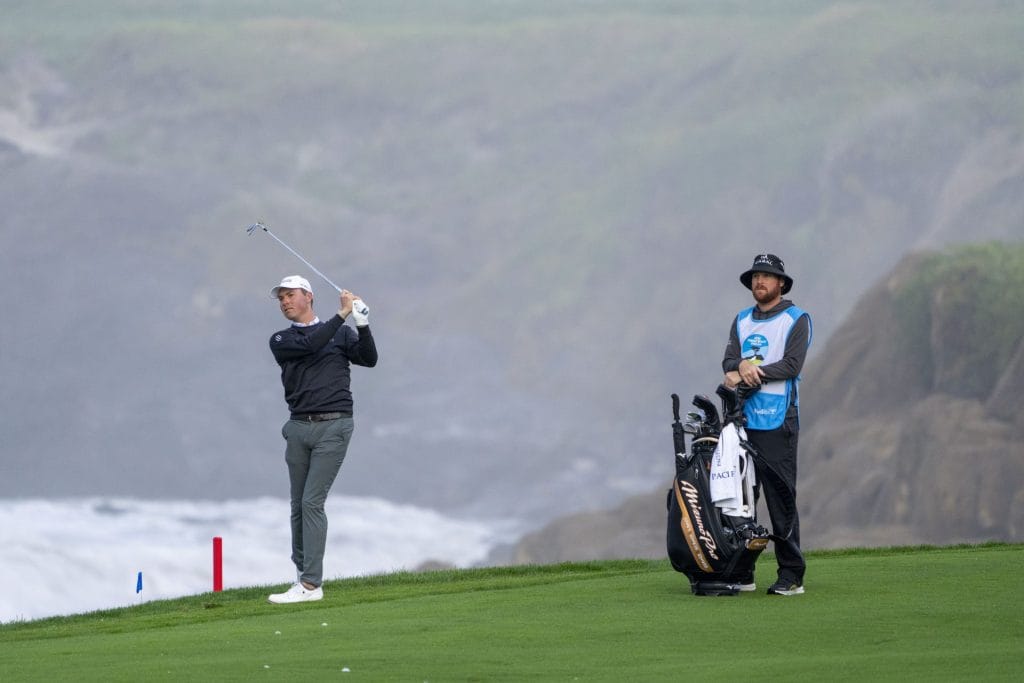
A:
x: 767, y: 346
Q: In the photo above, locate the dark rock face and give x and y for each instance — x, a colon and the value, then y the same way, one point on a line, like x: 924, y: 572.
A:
x: 903, y: 441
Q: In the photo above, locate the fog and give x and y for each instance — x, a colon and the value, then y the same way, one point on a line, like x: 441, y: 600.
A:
x: 547, y: 210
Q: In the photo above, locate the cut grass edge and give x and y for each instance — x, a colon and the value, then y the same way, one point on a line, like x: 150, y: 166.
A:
x: 243, y: 602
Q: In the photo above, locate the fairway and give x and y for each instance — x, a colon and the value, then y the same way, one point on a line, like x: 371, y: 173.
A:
x: 924, y: 614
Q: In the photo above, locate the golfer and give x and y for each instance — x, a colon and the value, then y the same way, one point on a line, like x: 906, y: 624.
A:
x: 767, y: 346
x: 315, y: 360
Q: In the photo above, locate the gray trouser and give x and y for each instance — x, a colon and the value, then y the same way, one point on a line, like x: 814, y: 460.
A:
x: 314, y: 455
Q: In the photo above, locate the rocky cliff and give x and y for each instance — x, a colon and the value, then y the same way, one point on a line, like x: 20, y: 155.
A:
x: 911, y: 422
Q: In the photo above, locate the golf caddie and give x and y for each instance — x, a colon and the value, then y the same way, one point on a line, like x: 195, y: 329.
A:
x: 316, y: 358
x: 767, y: 347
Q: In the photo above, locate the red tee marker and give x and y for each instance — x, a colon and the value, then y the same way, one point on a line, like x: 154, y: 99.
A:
x: 218, y: 564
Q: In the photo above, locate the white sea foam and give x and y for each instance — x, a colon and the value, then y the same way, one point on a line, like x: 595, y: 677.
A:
x: 70, y: 556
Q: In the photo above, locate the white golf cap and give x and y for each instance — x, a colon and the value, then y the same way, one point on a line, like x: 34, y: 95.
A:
x: 292, y: 282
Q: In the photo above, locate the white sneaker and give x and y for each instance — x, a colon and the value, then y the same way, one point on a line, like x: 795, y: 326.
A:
x: 297, y: 593
x: 786, y: 587
x: 747, y: 587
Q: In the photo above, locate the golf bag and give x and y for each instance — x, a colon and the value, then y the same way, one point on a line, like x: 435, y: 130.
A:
x: 716, y: 544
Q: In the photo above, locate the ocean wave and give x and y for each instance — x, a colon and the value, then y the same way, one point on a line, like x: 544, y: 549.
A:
x: 80, y: 555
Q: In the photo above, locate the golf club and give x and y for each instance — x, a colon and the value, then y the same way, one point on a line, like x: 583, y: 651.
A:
x: 259, y: 226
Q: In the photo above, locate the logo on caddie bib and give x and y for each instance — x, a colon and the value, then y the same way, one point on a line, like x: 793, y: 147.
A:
x: 754, y: 348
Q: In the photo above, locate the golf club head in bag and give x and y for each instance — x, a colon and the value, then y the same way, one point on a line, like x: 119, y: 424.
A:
x: 707, y: 406
x: 732, y: 402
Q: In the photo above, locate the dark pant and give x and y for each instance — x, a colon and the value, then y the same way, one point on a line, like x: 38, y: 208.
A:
x: 314, y: 455
x: 778, y: 447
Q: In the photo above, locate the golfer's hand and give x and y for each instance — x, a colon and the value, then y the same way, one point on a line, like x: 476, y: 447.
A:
x: 346, y: 299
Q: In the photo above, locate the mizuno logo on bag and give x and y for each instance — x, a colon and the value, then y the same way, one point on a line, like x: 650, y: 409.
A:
x: 694, y: 531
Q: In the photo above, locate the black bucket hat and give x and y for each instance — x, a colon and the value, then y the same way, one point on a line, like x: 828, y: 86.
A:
x: 768, y: 263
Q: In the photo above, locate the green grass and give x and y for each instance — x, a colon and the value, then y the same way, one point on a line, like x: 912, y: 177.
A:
x: 911, y: 613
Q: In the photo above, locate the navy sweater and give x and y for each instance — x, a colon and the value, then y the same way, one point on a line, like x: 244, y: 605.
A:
x: 315, y: 362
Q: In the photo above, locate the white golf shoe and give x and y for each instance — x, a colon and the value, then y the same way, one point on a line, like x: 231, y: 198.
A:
x: 297, y: 593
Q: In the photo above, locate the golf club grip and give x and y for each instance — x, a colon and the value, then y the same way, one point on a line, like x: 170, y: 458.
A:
x: 675, y: 407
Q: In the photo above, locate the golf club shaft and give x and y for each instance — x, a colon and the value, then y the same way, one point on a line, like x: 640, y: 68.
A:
x: 299, y: 256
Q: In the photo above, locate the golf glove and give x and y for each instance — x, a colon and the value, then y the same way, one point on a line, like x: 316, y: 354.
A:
x: 360, y: 313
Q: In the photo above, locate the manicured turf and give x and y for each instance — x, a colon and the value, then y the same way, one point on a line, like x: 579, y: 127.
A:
x: 922, y: 613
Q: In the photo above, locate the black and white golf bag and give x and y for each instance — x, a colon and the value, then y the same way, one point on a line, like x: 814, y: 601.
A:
x: 713, y: 536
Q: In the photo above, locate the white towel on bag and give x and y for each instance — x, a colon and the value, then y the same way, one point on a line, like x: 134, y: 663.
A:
x: 726, y: 473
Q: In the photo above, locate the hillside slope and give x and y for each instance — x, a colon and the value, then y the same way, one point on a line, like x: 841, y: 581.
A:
x: 914, y: 408
x: 546, y: 205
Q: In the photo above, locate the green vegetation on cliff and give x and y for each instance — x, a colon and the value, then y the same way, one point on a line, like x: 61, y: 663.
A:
x: 968, y: 297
